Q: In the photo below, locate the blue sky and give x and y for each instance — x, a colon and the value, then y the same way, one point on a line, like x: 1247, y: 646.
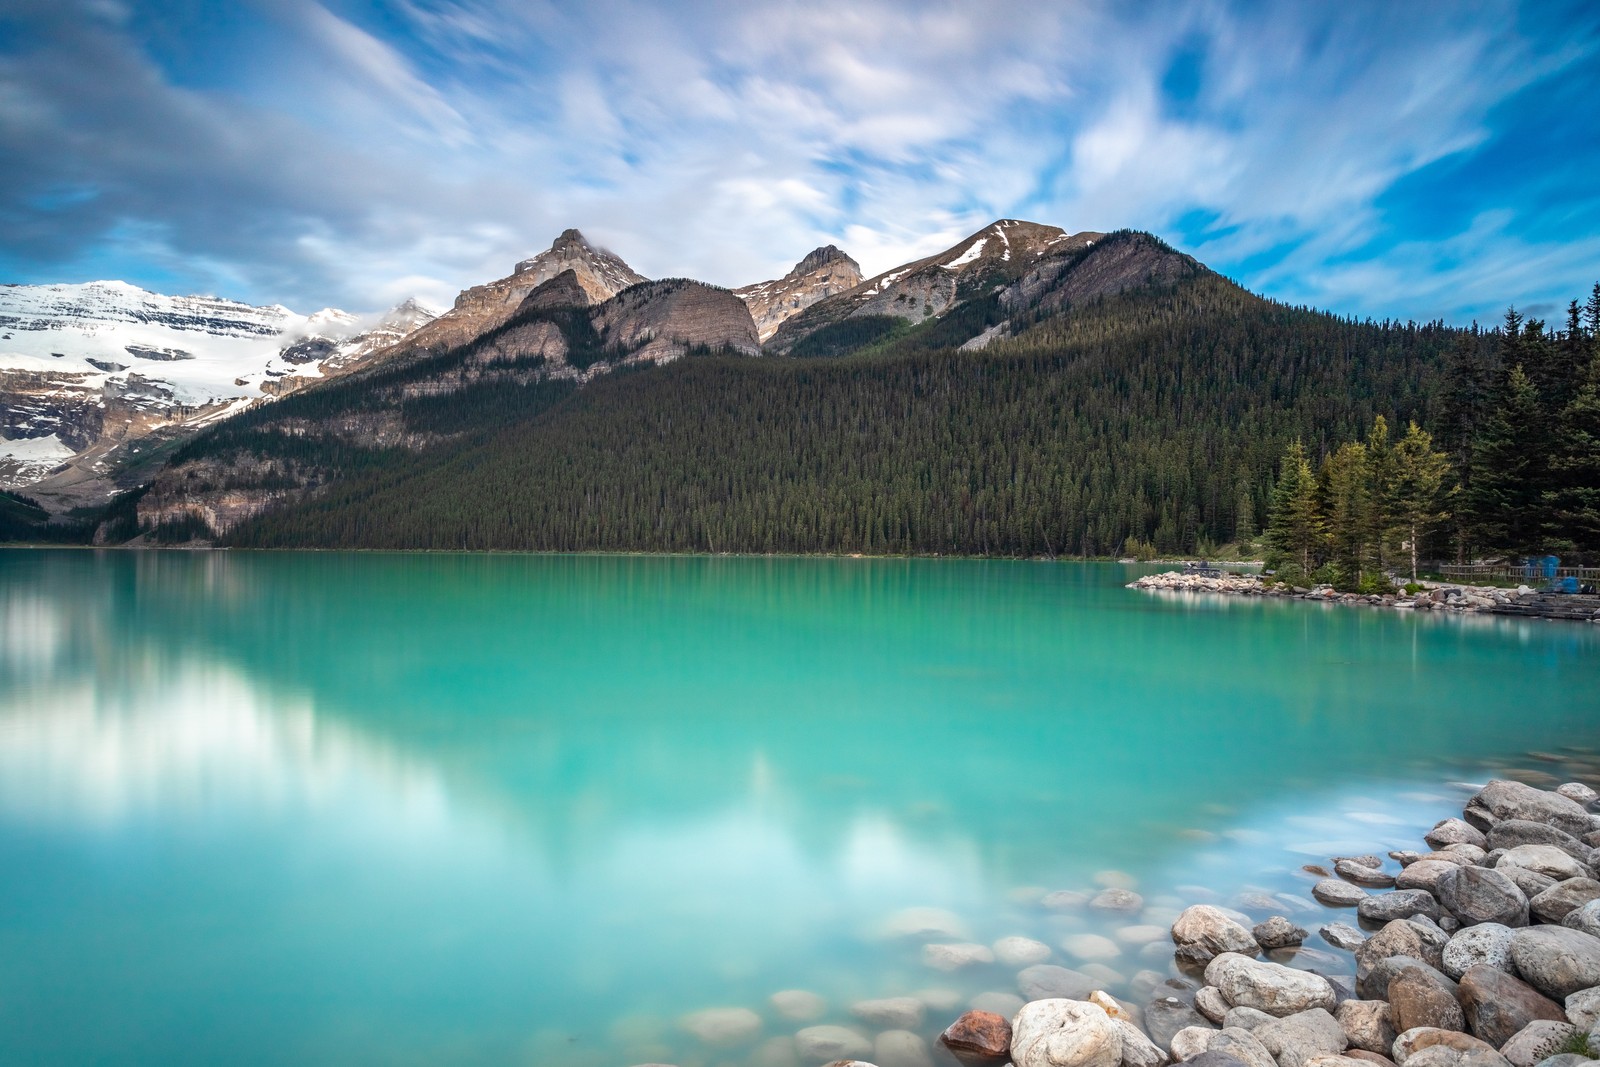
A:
x: 1414, y: 160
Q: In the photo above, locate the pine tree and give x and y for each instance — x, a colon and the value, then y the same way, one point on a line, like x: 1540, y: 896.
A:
x: 1380, y: 481
x: 1462, y: 401
x: 1417, y: 492
x: 1295, y: 526
x: 1244, y: 511
x: 1575, y: 497
x: 1347, y: 503
x: 1507, y: 466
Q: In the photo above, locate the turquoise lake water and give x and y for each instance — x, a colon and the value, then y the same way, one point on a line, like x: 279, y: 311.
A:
x: 423, y: 809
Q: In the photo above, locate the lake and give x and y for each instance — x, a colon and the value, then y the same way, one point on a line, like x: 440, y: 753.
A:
x: 425, y: 809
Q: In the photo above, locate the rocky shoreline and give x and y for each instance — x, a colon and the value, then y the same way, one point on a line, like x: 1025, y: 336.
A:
x: 1484, y: 952
x: 1458, y: 599
x: 1479, y: 949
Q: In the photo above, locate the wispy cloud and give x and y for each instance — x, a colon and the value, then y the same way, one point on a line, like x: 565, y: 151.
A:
x: 1347, y: 157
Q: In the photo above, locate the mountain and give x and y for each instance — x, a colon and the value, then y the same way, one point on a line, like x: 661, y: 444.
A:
x: 426, y: 401
x: 822, y: 273
x: 997, y: 256
x: 597, y: 274
x: 1124, y: 391
x: 96, y: 378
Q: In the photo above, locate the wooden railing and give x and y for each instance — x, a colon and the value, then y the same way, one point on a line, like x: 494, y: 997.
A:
x: 1514, y: 572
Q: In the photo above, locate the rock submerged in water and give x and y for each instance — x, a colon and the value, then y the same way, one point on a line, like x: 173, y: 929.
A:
x: 1122, y: 901
x: 900, y: 1048
x: 820, y: 1044
x: 889, y: 1013
x: 1166, y: 1017
x: 953, y: 957
x: 798, y: 1004
x: 723, y: 1026
x: 1043, y: 981
x: 1020, y: 951
x: 1364, y: 874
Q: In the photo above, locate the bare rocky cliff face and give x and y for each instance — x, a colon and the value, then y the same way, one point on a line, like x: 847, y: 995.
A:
x: 929, y: 288
x: 662, y: 321
x: 1007, y: 268
x: 597, y: 274
x: 821, y: 274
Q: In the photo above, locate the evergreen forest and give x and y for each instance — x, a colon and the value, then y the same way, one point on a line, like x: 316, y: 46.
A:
x: 1152, y: 418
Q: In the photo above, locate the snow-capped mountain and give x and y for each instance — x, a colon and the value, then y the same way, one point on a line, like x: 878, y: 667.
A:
x: 822, y: 273
x: 89, y: 369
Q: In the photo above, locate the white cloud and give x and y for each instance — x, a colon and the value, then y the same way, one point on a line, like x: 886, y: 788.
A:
x: 723, y: 141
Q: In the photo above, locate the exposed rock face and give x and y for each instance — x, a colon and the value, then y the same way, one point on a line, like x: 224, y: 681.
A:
x: 821, y: 274
x: 601, y: 274
x: 1044, y: 980
x: 598, y: 274
x: 999, y: 254
x: 1085, y: 268
x: 663, y: 320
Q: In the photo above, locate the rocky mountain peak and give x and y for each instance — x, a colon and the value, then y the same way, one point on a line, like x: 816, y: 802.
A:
x: 822, y: 273
x: 601, y: 274
x: 570, y: 239
x: 408, y: 315
x: 821, y: 257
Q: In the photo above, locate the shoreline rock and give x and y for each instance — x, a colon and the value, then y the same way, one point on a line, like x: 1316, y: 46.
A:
x: 1453, y: 598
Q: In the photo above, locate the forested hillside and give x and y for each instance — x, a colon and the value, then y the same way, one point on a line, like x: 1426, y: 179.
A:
x: 1159, y: 415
